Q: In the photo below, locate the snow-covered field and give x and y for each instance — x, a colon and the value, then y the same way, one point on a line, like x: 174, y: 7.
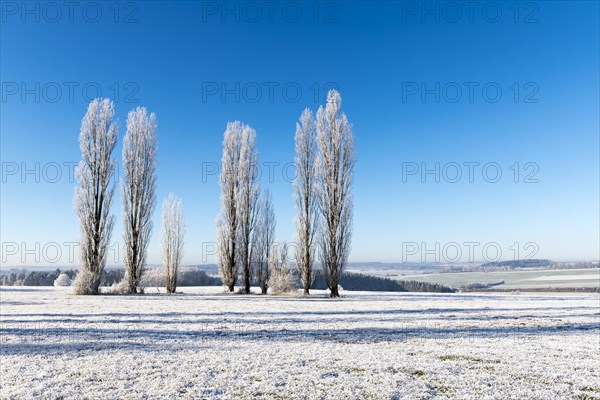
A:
x: 537, y: 279
x: 203, y: 344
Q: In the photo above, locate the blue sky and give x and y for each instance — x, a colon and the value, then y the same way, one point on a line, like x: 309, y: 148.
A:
x: 426, y: 85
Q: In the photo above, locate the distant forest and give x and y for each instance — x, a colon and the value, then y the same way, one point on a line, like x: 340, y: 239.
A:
x: 533, y: 263
x: 530, y: 263
x: 192, y: 276
x: 186, y: 277
x: 354, y: 281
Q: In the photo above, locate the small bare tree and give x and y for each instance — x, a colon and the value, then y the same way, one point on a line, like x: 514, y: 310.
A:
x: 335, y: 169
x: 227, y: 221
x: 93, y: 196
x: 247, y: 201
x: 305, y: 197
x: 172, y: 235
x: 281, y: 279
x: 138, y: 192
x: 263, y: 238
x: 62, y: 280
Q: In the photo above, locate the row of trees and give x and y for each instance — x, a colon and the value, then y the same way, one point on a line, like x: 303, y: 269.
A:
x: 187, y: 276
x: 280, y: 281
x: 246, y: 223
x: 324, y: 161
x: 94, y: 195
x: 48, y: 278
x: 31, y: 278
x: 240, y: 206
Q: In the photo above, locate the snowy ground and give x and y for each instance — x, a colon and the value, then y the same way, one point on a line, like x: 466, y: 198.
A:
x: 528, y: 279
x: 364, y: 346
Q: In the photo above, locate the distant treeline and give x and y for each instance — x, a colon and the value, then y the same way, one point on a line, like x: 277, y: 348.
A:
x: 354, y: 281
x: 574, y: 265
x: 500, y: 266
x: 530, y: 263
x: 32, y: 278
x: 590, y: 289
x: 186, y: 277
x: 519, y: 265
x: 192, y: 276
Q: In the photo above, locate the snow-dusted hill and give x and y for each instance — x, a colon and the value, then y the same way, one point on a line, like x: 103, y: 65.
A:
x: 205, y: 344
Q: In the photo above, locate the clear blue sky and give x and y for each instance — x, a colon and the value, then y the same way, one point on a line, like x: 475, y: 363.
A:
x: 187, y: 62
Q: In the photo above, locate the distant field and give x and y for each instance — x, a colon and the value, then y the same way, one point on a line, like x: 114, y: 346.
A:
x: 575, y: 278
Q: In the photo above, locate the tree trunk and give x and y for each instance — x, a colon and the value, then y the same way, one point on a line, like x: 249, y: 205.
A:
x: 307, y: 282
x: 334, y: 292
x: 246, y: 279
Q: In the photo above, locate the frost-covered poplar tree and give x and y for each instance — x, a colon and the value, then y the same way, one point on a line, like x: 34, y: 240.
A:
x: 335, y: 169
x: 263, y: 238
x: 227, y: 221
x: 305, y: 197
x: 138, y: 191
x: 93, y: 196
x: 247, y: 201
x: 172, y: 236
